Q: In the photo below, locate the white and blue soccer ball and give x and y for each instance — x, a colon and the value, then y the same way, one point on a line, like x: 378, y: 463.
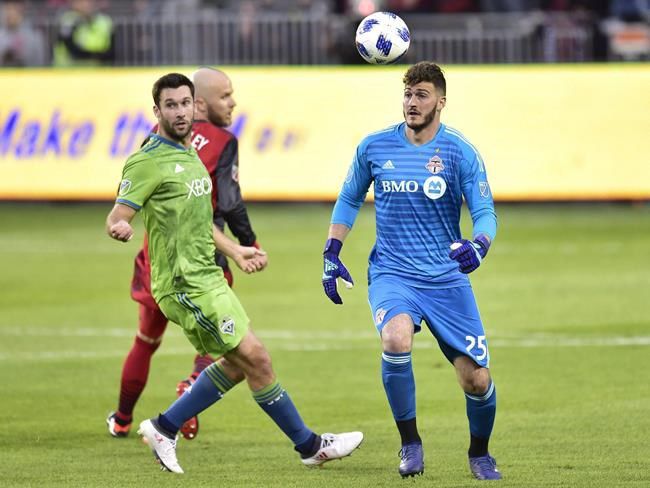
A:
x: 382, y: 38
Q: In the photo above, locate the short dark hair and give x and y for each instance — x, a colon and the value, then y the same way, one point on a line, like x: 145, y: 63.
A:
x: 170, y: 80
x: 426, y: 71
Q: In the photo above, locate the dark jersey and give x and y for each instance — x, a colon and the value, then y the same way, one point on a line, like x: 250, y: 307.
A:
x: 219, y: 152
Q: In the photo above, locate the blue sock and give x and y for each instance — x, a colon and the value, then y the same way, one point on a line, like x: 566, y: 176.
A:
x: 208, y: 388
x: 397, y: 375
x: 277, y: 404
x: 481, y: 410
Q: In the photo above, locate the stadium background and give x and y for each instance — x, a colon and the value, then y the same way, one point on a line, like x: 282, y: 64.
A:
x: 554, y: 94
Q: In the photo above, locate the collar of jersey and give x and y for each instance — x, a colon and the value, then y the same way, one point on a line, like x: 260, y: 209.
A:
x: 402, y: 132
x: 160, y: 138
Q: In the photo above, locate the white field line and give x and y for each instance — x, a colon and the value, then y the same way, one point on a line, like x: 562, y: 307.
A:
x: 288, y: 340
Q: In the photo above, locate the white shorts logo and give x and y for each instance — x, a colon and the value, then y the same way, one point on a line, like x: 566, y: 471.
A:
x: 379, y: 316
x: 434, y: 187
x: 227, y: 326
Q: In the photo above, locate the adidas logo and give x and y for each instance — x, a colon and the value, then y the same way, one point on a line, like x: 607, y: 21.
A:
x: 330, y: 266
x: 388, y: 165
x: 179, y: 168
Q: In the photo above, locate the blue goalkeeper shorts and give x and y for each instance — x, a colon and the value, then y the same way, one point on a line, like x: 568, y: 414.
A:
x: 450, y: 313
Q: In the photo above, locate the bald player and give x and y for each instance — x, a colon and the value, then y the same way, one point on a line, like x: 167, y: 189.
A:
x: 218, y: 150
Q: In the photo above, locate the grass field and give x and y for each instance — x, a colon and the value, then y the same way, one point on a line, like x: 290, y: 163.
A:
x: 565, y: 298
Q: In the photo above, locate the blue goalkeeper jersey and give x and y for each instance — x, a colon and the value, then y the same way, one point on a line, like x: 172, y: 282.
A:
x: 419, y: 193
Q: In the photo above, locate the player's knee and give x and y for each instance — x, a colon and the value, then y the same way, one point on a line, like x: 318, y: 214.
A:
x: 152, y: 322
x: 258, y: 364
x: 233, y: 372
x: 476, y: 382
x: 147, y: 342
x: 397, y: 334
x: 396, y: 343
x: 263, y: 364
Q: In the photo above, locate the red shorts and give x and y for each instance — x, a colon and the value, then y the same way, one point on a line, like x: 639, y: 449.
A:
x: 141, y: 282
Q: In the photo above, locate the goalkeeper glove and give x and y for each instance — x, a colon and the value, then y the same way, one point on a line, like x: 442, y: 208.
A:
x: 469, y: 254
x: 333, y: 268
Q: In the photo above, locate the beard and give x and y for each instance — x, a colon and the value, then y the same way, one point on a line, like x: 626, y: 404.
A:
x: 214, y: 118
x: 428, y: 119
x: 176, y: 134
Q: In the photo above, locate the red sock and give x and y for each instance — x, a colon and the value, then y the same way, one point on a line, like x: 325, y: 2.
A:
x: 136, y: 365
x: 134, y: 376
x: 200, y: 363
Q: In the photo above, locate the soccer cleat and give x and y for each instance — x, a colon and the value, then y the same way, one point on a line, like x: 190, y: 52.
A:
x: 162, y: 446
x: 334, y: 446
x: 190, y: 428
x: 412, y: 463
x: 484, y: 468
x: 116, y: 427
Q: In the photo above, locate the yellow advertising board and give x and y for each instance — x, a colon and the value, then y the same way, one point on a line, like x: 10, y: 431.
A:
x: 545, y: 132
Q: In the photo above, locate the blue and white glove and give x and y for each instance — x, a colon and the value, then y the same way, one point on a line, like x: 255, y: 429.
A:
x: 333, y: 268
x: 469, y: 254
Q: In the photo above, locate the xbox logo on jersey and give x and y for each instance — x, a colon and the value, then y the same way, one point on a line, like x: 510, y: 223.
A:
x: 199, y: 187
x: 434, y: 187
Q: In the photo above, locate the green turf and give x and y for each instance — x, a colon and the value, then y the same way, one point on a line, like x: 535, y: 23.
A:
x: 564, y: 296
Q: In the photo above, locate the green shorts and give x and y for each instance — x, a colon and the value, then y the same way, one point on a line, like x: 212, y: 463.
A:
x: 214, y: 322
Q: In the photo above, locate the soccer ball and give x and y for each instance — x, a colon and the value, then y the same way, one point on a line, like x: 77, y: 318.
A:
x: 382, y: 38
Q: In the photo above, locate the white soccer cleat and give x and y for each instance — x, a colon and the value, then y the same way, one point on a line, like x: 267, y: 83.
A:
x: 162, y: 446
x: 334, y: 446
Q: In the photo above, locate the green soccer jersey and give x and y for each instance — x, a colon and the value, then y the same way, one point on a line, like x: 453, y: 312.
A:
x: 174, y: 191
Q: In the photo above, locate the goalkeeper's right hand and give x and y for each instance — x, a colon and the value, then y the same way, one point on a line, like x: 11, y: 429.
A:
x: 333, y: 268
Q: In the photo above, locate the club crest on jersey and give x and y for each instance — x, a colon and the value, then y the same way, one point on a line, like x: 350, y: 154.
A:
x: 227, y: 326
x: 125, y: 186
x: 379, y: 316
x: 435, y: 165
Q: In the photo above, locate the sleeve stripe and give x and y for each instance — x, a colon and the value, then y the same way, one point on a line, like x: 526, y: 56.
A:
x: 128, y: 203
x: 452, y: 131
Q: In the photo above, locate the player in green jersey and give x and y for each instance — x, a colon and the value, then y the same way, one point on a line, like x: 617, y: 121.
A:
x: 167, y: 182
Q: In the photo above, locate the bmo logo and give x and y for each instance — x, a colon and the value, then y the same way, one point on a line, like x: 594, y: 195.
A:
x: 390, y: 186
x: 434, y: 187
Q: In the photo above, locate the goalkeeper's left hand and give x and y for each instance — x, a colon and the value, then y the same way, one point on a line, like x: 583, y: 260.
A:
x: 469, y: 254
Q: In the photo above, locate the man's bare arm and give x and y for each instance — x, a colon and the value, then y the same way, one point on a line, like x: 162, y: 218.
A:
x: 338, y: 231
x: 118, y: 222
x: 246, y: 257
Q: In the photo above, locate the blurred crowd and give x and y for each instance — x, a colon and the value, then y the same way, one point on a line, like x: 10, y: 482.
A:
x: 83, y: 31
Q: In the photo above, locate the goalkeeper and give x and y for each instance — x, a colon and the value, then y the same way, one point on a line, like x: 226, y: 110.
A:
x: 421, y: 170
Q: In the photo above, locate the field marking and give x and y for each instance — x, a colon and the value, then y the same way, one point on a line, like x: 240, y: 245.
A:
x: 293, y: 341
x: 174, y: 331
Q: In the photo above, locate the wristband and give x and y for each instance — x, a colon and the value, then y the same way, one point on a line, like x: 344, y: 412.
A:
x: 484, y: 242
x: 333, y: 246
